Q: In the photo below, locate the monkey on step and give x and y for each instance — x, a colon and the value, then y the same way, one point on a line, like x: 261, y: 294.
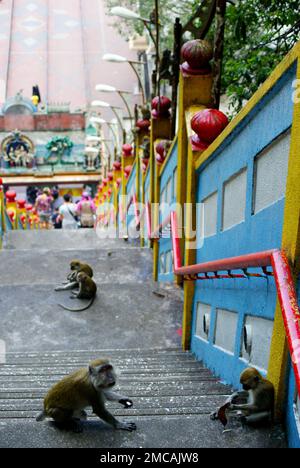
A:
x: 87, y: 290
x: 257, y: 399
x: 66, y: 401
x: 261, y: 395
x: 76, y: 266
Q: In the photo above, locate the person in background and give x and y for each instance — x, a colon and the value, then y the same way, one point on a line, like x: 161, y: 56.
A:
x: 67, y: 213
x: 43, y: 207
x: 56, y: 219
x: 86, y: 211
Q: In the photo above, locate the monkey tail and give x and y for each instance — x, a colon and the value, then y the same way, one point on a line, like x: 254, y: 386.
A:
x: 41, y: 416
x: 81, y: 309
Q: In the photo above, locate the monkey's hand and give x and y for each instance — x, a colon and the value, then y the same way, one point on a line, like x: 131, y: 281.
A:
x: 126, y: 402
x: 126, y: 426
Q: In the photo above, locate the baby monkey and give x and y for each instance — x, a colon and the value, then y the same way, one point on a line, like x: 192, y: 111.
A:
x: 76, y: 266
x: 87, y: 290
x: 66, y: 401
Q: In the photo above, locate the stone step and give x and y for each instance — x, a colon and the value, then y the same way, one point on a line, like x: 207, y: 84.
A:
x: 26, y: 267
x: 59, y: 239
x: 157, y: 431
x: 204, y: 387
x: 127, y: 315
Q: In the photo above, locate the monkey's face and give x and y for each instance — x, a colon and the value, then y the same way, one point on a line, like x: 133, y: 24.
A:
x: 102, y: 376
x: 75, y: 265
x: 250, y: 379
x: 81, y: 277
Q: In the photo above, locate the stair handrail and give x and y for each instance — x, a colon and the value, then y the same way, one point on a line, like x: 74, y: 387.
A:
x: 283, y: 279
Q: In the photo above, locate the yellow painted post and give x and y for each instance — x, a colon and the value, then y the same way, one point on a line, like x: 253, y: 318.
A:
x: 11, y: 207
x: 193, y: 91
x: 116, y: 186
x: 21, y: 213
x: 291, y: 246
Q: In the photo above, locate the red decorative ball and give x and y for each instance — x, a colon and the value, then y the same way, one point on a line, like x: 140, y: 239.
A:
x: 160, y: 107
x: 109, y: 192
x: 11, y: 215
x: 105, y: 182
x: 127, y: 171
x: 161, y: 150
x: 21, y: 204
x: 11, y: 196
x: 197, y: 53
x: 117, y: 166
x: 207, y: 124
x: 23, y: 218
x: 28, y: 207
x: 127, y: 150
x: 118, y: 182
x: 110, y: 176
x: 143, y: 124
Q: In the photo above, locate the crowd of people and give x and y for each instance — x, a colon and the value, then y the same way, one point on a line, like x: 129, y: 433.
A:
x: 58, y: 213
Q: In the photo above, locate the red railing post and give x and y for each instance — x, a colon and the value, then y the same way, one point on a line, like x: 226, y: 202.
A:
x: 289, y: 307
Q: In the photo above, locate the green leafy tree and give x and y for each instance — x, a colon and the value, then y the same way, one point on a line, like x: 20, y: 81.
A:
x: 258, y: 34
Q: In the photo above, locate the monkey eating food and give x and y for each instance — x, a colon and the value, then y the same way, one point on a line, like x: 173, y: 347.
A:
x: 76, y: 266
x: 87, y: 290
x: 257, y: 399
x: 88, y: 387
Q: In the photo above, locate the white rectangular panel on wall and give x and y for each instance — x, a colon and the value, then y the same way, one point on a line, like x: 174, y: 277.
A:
x: 162, y: 260
x: 169, y: 262
x: 203, y: 314
x: 169, y: 191
x: 270, y: 173
x: 234, y: 200
x: 225, y: 331
x: 174, y: 182
x: 210, y: 205
x: 259, y: 334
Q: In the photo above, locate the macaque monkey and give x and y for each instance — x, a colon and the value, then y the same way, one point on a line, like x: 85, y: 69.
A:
x: 87, y: 290
x: 76, y: 267
x: 261, y: 394
x: 255, y: 402
x: 66, y: 401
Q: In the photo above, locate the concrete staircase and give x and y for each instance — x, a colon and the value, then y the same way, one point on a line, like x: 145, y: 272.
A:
x: 134, y: 322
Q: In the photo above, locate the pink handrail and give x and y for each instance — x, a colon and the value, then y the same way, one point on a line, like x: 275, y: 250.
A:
x: 283, y: 279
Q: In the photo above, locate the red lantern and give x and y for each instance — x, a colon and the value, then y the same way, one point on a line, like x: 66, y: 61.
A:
x: 207, y: 124
x: 28, y: 207
x: 160, y: 107
x: 143, y: 124
x: 105, y: 182
x: 110, y: 176
x: 11, y: 196
x: 23, y: 219
x: 127, y: 150
x: 196, y: 55
x: 109, y: 192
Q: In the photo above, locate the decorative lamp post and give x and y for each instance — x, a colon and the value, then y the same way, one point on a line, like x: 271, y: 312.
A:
x: 110, y: 89
x: 114, y: 58
x: 106, y: 105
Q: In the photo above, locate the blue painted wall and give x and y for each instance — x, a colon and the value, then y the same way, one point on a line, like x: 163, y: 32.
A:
x: 258, y: 232
x: 169, y: 176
